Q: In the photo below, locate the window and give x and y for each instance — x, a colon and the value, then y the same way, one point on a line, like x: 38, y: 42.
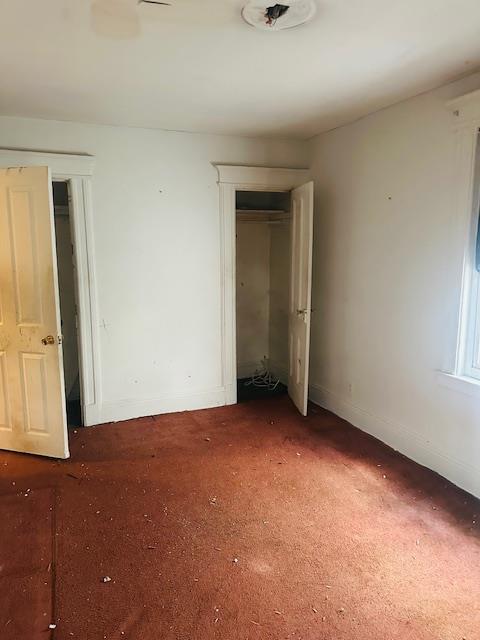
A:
x: 461, y: 370
x: 469, y: 351
x: 471, y: 364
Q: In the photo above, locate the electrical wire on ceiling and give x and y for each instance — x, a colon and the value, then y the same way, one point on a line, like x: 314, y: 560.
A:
x: 166, y: 4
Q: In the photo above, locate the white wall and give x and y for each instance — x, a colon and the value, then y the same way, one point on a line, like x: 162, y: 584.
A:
x: 157, y: 239
x: 387, y: 283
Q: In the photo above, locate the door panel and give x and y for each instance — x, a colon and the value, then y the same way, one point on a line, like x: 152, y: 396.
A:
x: 4, y: 401
x: 34, y: 392
x: 32, y: 402
x: 300, y: 295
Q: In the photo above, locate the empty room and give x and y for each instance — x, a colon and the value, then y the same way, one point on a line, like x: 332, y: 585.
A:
x: 239, y: 320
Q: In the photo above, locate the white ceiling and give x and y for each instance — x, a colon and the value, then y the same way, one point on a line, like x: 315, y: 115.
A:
x: 197, y: 66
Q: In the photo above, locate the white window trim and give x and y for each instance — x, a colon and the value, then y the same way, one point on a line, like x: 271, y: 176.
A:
x: 463, y: 373
x: 462, y: 384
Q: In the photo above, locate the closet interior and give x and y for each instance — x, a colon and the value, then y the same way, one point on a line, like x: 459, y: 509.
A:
x: 262, y: 292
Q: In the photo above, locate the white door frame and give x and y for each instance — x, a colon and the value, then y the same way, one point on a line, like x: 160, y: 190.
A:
x: 232, y: 178
x: 77, y: 170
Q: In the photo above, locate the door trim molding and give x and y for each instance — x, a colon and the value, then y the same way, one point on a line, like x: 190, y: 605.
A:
x: 232, y: 178
x: 78, y: 171
x: 59, y: 163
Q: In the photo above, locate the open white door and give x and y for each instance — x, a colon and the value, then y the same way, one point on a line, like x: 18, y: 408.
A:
x: 32, y: 402
x: 300, y: 295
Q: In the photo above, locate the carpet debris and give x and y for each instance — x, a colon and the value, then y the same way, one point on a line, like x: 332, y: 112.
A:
x: 278, y: 558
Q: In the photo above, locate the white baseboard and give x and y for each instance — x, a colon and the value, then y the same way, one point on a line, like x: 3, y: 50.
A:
x: 400, y: 438
x: 91, y: 414
x: 169, y: 403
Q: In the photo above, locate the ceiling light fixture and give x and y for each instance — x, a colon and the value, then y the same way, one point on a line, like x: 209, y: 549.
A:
x: 272, y: 14
x: 274, y: 17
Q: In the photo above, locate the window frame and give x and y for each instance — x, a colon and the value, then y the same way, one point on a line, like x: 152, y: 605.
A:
x: 470, y: 363
x: 466, y: 113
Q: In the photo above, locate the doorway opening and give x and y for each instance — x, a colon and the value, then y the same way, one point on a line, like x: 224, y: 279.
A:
x: 233, y: 179
x: 263, y: 248
x: 67, y: 280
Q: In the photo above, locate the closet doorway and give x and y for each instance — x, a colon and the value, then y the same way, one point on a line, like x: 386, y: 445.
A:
x: 263, y: 288
x: 267, y: 238
x: 68, y: 295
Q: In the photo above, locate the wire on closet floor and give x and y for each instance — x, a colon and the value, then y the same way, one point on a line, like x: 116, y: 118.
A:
x: 263, y: 378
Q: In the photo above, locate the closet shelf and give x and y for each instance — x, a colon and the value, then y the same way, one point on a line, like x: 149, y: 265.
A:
x: 262, y: 215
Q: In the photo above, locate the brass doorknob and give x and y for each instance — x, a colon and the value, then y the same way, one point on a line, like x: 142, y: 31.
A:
x: 48, y: 340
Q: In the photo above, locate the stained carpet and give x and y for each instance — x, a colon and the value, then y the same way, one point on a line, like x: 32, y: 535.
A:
x: 26, y: 563
x: 243, y: 522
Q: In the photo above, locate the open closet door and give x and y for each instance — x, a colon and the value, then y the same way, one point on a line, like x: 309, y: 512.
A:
x: 32, y: 402
x: 300, y: 295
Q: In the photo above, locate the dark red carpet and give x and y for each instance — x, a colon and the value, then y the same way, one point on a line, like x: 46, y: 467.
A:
x: 26, y: 564
x: 242, y: 522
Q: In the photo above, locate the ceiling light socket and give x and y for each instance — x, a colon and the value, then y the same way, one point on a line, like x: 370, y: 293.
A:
x: 271, y: 16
